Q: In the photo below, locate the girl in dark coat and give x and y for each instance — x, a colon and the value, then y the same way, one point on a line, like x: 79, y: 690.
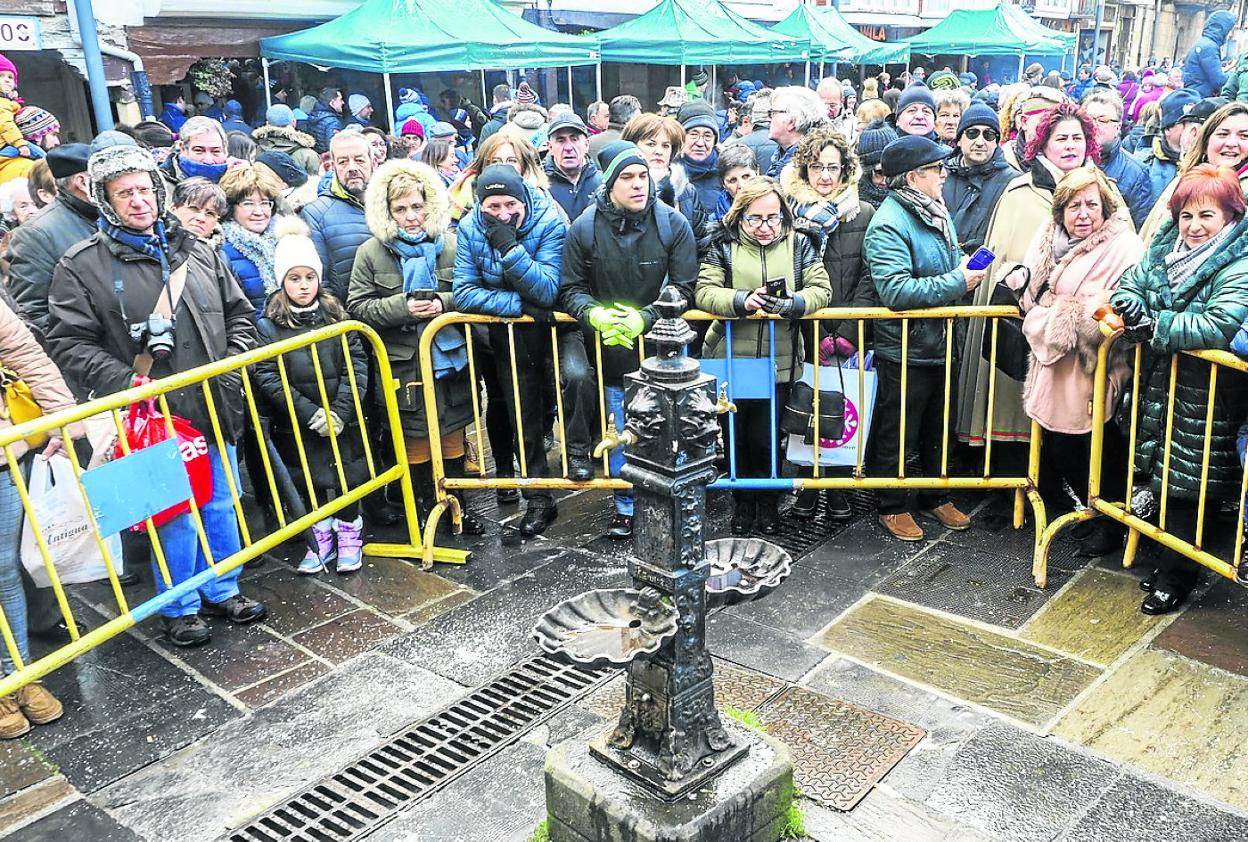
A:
x: 296, y: 307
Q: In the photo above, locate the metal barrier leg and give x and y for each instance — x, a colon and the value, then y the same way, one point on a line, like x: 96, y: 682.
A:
x: 1133, y: 545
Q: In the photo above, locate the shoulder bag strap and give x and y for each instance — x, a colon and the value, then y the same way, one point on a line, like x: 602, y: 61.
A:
x: 165, y: 306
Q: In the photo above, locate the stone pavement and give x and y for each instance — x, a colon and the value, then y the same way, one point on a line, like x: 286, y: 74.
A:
x: 1056, y: 714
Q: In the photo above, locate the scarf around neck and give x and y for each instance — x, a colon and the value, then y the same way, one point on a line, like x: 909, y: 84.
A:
x: 927, y: 209
x: 155, y: 245
x: 695, y: 169
x: 870, y: 192
x: 418, y: 263
x: 1183, y: 262
x: 257, y: 248
x: 193, y: 169
x: 826, y: 215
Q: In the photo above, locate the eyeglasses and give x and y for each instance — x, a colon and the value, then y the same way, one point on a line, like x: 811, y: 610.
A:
x: 773, y: 112
x: 975, y: 132
x: 771, y: 220
x: 829, y: 169
x: 938, y: 168
x: 250, y: 205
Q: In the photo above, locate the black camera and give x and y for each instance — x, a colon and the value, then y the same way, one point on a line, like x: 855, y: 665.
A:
x: 155, y: 334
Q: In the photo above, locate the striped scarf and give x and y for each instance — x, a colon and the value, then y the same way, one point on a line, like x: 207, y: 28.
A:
x: 930, y: 211
x: 1183, y: 262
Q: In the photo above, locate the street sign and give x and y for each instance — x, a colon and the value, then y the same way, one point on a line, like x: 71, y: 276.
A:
x: 20, y: 33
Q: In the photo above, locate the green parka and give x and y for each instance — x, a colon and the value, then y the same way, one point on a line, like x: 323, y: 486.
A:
x: 912, y: 266
x: 1218, y: 293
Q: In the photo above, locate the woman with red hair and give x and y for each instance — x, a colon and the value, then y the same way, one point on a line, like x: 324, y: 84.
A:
x: 1189, y: 294
x: 1063, y: 141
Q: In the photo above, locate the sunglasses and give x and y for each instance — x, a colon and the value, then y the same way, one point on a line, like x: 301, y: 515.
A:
x: 974, y: 133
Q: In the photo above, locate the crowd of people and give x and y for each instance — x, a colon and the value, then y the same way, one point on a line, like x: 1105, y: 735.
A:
x: 157, y: 248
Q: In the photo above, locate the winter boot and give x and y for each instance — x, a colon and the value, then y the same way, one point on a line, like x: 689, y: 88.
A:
x: 471, y: 523
x: 422, y: 488
x: 315, y: 560
x: 350, y: 544
x: 39, y: 706
x: 13, y: 723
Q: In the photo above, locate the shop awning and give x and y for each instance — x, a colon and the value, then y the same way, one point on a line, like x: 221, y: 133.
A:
x: 696, y: 32
x: 987, y: 32
x: 831, y: 38
x: 169, y: 48
x: 419, y: 36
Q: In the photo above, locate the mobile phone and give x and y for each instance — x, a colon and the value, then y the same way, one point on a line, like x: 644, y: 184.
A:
x: 421, y: 295
x: 776, y: 288
x: 980, y: 259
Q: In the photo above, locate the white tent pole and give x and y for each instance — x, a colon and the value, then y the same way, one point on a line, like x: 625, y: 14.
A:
x: 268, y: 93
x: 1020, y: 68
x: 714, y: 97
x: 821, y: 70
x: 682, y: 75
x: 808, y: 74
x: 571, y: 102
x: 389, y: 103
x: 485, y: 95
x: 598, y: 77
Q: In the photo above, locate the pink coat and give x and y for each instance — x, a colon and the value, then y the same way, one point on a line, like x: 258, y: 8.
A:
x: 1059, y: 326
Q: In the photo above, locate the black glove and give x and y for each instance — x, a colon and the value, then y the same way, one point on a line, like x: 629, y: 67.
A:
x: 667, y: 193
x: 541, y: 315
x: 1141, y: 332
x: 500, y: 236
x: 789, y: 308
x: 1130, y: 310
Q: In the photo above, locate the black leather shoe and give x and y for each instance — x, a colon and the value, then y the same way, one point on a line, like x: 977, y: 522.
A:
x: 620, y: 527
x: 507, y: 496
x: 1104, y: 538
x: 838, y: 505
x: 742, y: 517
x: 1162, y: 602
x: 187, y: 631
x: 580, y: 468
x: 805, y: 504
x: 767, y: 521
x: 1149, y: 582
x: 536, y: 518
x: 237, y: 609
x: 468, y: 519
x: 129, y: 578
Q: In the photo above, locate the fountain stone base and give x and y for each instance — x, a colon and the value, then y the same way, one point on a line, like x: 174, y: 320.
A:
x: 588, y: 801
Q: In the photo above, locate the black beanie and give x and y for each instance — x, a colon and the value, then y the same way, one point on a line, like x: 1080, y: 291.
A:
x: 500, y: 180
x: 614, y: 157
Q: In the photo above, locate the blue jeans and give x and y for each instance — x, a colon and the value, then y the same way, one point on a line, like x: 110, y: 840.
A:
x: 12, y: 597
x: 615, y: 459
x: 183, y: 552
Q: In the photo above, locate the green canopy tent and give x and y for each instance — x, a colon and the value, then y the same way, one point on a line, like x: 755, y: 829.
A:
x: 419, y: 36
x: 998, y: 31
x: 696, y: 32
x: 831, y: 38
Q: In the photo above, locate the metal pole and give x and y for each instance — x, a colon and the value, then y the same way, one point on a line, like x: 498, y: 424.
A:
x: 1096, y: 36
x: 389, y: 102
x: 268, y: 92
x: 571, y: 102
x: 1020, y: 68
x: 95, y: 65
x: 485, y: 95
x: 808, y: 74
x: 682, y: 75
x: 598, y: 78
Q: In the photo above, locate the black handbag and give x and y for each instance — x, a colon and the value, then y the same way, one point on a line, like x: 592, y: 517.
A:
x: 798, y: 416
x: 1013, y: 349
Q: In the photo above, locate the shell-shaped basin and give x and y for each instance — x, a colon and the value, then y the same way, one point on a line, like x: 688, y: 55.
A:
x: 743, y: 569
x: 606, y: 628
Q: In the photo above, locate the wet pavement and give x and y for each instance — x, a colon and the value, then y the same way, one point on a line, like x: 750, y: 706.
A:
x: 1060, y: 713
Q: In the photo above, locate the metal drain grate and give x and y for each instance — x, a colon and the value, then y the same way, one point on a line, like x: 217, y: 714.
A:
x: 426, y: 756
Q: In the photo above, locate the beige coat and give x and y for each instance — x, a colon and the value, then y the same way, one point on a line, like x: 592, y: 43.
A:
x: 21, y: 352
x: 1023, y: 210
x: 1059, y: 300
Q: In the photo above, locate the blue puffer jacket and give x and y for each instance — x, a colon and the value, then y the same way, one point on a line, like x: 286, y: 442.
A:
x: 495, y: 285
x: 323, y: 124
x: 1161, y: 165
x: 1131, y: 178
x: 1202, y: 69
x: 248, y: 276
x: 337, y: 228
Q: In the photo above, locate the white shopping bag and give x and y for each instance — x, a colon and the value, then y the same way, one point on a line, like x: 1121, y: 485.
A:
x: 859, y: 411
x: 62, y: 514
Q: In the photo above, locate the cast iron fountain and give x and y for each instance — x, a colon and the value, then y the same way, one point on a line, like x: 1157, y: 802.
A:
x: 689, y: 779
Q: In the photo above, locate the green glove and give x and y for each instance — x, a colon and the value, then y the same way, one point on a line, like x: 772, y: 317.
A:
x: 600, y: 319
x: 630, y: 321
x: 617, y: 336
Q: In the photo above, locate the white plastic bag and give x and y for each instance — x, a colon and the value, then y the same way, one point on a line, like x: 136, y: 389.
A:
x: 62, y: 514
x: 859, y: 412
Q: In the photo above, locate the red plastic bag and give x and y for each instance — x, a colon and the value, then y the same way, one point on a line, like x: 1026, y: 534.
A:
x: 145, y: 426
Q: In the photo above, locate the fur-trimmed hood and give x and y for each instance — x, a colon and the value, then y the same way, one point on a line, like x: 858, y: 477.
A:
x: 377, y: 205
x: 280, y: 134
x: 802, y: 193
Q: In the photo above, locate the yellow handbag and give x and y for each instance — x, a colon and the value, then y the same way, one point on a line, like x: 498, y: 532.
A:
x: 19, y: 404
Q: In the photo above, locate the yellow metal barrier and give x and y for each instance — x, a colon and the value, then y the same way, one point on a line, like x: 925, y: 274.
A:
x: 200, y: 378
x: 1024, y: 486
x: 1120, y: 510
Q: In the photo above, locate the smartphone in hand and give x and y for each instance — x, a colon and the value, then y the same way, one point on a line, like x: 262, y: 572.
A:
x: 980, y: 259
x: 776, y: 288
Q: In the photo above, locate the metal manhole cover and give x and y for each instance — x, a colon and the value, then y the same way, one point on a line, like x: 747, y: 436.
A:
x: 840, y: 751
x: 425, y: 756
x: 741, y: 688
